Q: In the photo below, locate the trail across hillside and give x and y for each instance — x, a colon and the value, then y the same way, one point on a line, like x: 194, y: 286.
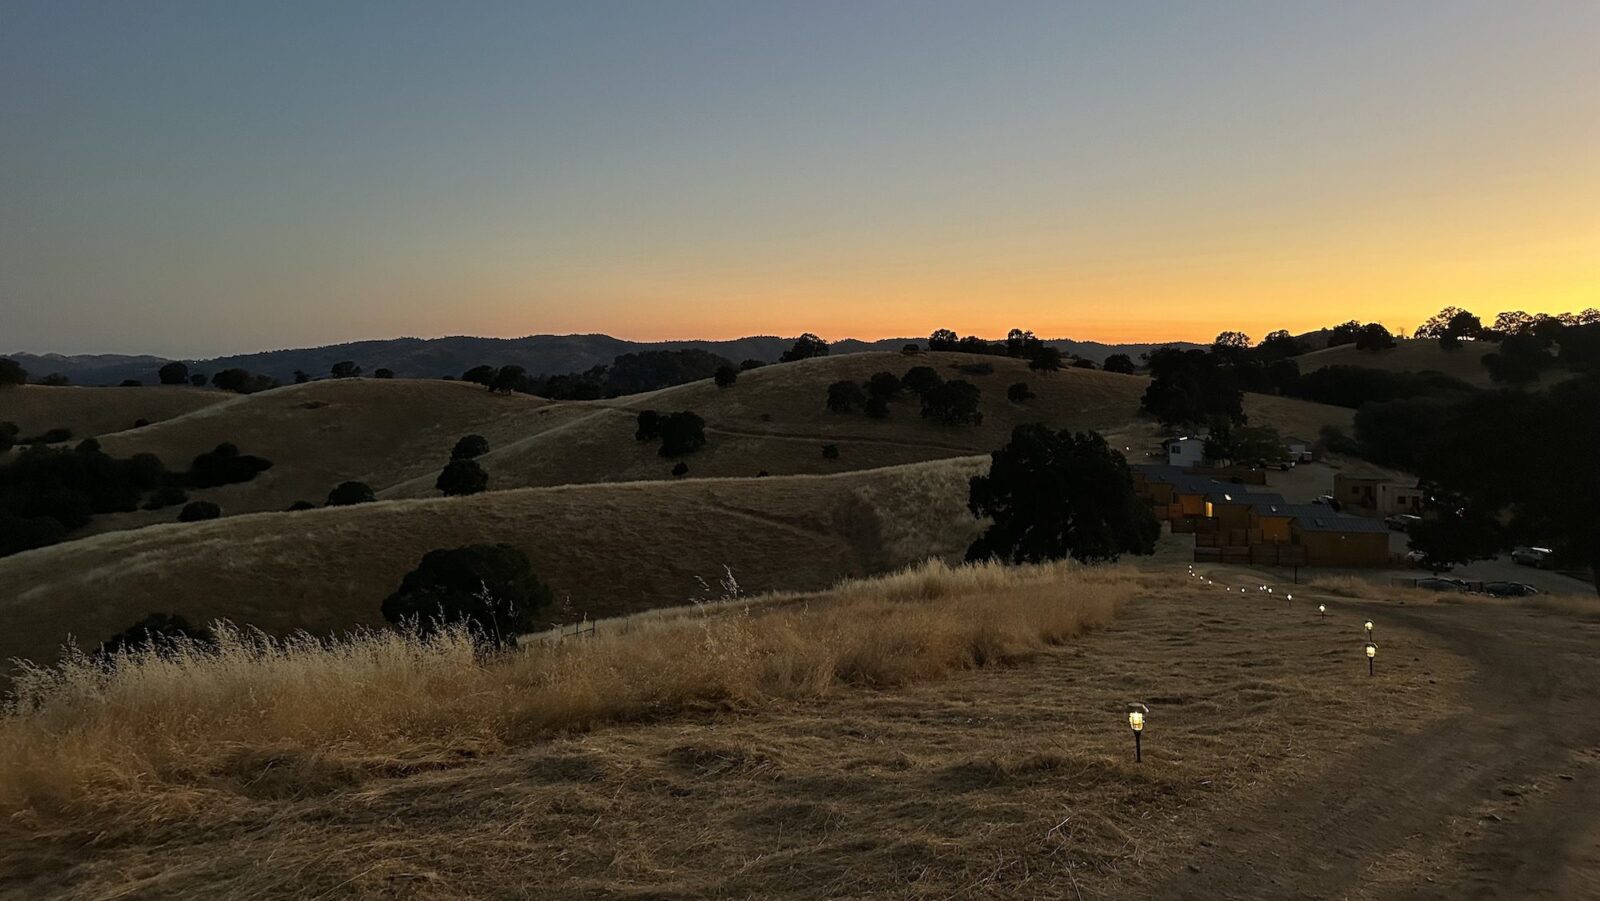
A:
x: 1500, y: 800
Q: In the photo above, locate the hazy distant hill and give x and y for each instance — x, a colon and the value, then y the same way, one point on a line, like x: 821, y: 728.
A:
x: 435, y: 357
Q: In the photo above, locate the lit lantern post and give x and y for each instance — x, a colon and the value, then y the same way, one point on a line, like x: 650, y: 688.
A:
x: 1368, y: 625
x: 1322, y: 610
x: 1136, y: 714
x: 1372, y: 651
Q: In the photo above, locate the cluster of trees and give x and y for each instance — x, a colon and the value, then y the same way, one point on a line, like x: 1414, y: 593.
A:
x: 464, y: 475
x: 1055, y: 494
x: 680, y: 433
x: 46, y: 493
x: 954, y: 402
x: 1019, y: 343
x: 241, y: 381
x: 1501, y: 468
x: 631, y: 373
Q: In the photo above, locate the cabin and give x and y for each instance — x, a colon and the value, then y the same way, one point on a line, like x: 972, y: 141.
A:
x: 1377, y: 495
x: 1185, y: 451
x: 1333, y: 539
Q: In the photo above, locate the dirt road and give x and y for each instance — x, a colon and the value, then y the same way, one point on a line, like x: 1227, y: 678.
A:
x: 1500, y: 800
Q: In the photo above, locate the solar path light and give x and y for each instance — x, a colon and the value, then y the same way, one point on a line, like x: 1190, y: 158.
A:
x: 1372, y: 651
x: 1322, y: 610
x: 1368, y: 625
x: 1136, y: 713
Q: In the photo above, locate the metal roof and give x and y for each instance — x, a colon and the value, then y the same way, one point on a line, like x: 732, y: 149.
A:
x: 1339, y: 522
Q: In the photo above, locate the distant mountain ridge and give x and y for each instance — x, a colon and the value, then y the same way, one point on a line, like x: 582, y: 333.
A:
x: 436, y: 357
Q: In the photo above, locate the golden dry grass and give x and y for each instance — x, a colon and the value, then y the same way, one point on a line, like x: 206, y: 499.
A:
x: 609, y: 549
x: 98, y: 411
x: 155, y: 735
x: 1011, y: 781
x: 1464, y: 363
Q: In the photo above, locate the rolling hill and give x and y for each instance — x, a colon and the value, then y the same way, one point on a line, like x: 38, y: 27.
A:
x: 604, y: 549
x: 436, y: 357
x: 396, y: 434
x: 1465, y: 362
x: 89, y: 412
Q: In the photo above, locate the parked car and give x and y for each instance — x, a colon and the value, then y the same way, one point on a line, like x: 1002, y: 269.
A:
x: 1436, y: 583
x: 1538, y: 557
x: 1509, y: 589
x: 1421, y: 561
x: 1327, y: 501
x: 1402, y: 522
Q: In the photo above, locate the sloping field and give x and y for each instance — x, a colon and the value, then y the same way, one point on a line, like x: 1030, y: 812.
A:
x: 1464, y: 363
x: 606, y: 549
x: 98, y: 411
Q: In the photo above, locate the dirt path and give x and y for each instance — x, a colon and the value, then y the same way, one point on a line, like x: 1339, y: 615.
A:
x: 1501, y: 800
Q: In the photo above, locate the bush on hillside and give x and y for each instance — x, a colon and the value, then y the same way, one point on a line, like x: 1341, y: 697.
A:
x: 12, y: 373
x: 470, y: 446
x: 919, y: 379
x: 682, y: 433
x: 166, y: 496
x: 224, y: 465
x: 1019, y: 393
x: 725, y: 376
x: 24, y: 533
x: 198, y: 380
x: 462, y: 477
x: 241, y: 381
x: 508, y: 379
x: 173, y: 374
x: 844, y: 396
x: 383, y: 374
x: 805, y: 347
x: 131, y: 383
x: 883, y: 384
x: 1058, y: 494
x: 345, y: 369
x: 830, y: 452
x: 681, y: 470
x: 952, y: 403
x: 649, y: 426
x: 877, y: 407
x: 298, y: 506
x: 490, y: 588
x: 197, y: 511
x: 346, y: 494
x: 1047, y: 359
x: 480, y: 375
x: 55, y: 380
x: 1121, y: 363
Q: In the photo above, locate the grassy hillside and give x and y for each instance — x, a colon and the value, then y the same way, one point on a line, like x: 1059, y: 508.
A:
x: 395, y: 435
x: 98, y: 411
x: 609, y: 548
x: 1465, y: 362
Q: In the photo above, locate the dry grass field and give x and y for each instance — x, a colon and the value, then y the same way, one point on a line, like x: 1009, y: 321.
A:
x: 935, y: 734
x: 609, y: 548
x: 98, y: 411
x: 396, y: 435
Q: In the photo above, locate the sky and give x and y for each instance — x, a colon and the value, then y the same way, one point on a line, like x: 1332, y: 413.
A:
x: 193, y: 179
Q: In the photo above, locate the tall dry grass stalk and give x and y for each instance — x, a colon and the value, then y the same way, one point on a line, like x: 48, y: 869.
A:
x: 159, y: 733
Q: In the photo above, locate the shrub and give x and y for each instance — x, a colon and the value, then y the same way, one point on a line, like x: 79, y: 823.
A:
x: 1019, y: 393
x: 470, y: 446
x: 224, y: 465
x: 681, y: 470
x: 131, y: 383
x: 1374, y: 337
x: 12, y: 373
x: 952, y: 403
x: 883, y: 384
x: 725, y: 376
x: 347, y: 493
x: 1057, y: 494
x: 1121, y: 363
x: 242, y: 382
x: 877, y: 407
x: 345, y: 369
x: 297, y: 506
x: 1082, y: 363
x: 24, y: 533
x: 844, y: 396
x: 748, y: 365
x: 198, y: 380
x: 196, y: 511
x: 140, y: 423
x: 383, y: 374
x: 488, y: 587
x: 1046, y: 359
x: 462, y: 477
x: 649, y: 426
x: 830, y: 452
x: 55, y: 380
x: 508, y: 379
x: 920, y: 378
x: 682, y: 433
x: 805, y: 347
x: 301, y: 376
x: 154, y: 631
x: 166, y: 496
x: 911, y: 349
x: 480, y: 375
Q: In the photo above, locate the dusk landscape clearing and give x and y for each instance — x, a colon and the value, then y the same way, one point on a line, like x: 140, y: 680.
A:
x: 712, y: 450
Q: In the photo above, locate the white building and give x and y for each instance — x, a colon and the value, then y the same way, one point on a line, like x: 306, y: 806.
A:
x: 1185, y: 451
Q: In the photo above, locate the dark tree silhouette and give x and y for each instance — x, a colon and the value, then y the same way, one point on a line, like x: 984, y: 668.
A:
x: 725, y: 376
x: 649, y: 426
x: 680, y: 470
x: 877, y: 407
x: 920, y: 378
x: 508, y: 379
x: 346, y: 494
x: 1374, y: 337
x: 346, y: 369
x: 383, y: 373
x: 1048, y: 359
x: 462, y: 477
x: 943, y: 339
x: 952, y: 403
x: 1058, y: 494
x: 830, y: 452
x: 470, y: 446
x: 883, y: 384
x: 196, y: 511
x: 173, y: 374
x: 805, y: 347
x: 682, y: 433
x: 1121, y: 363
x: 490, y: 588
x: 12, y: 373
x: 1019, y: 393
x: 844, y: 396
x: 480, y: 375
